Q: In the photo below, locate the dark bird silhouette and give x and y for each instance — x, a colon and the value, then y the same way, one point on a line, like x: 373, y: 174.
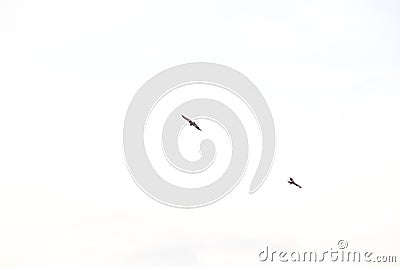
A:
x: 291, y: 181
x: 192, y: 123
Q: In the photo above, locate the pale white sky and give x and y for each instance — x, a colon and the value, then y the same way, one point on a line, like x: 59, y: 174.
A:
x: 329, y: 70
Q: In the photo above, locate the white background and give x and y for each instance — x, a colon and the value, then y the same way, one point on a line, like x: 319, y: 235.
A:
x: 329, y: 70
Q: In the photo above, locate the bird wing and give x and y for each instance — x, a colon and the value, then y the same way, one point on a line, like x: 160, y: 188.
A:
x: 197, y: 127
x: 186, y: 118
x: 296, y: 184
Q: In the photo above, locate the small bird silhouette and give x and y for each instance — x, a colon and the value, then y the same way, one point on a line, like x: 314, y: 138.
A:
x: 192, y: 123
x: 291, y: 181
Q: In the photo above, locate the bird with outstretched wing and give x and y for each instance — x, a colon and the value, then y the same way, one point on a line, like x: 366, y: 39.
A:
x: 291, y: 181
x: 192, y: 123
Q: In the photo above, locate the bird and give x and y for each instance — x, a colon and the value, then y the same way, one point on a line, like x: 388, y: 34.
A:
x: 291, y: 181
x: 192, y: 123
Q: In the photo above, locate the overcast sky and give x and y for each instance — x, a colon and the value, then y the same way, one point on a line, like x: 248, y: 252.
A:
x: 329, y: 71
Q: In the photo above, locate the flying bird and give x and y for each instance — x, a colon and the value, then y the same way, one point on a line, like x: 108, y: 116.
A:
x: 291, y: 181
x: 192, y: 123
